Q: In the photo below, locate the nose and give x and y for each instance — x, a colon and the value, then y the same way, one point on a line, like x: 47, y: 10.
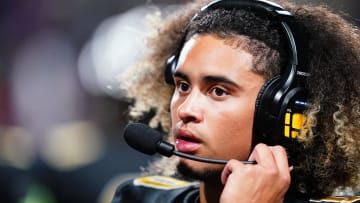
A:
x: 191, y: 109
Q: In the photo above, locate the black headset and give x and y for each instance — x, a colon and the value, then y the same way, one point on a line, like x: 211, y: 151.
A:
x: 282, y: 100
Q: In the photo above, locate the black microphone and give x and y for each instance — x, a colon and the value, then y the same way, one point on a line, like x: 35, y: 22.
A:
x: 149, y: 141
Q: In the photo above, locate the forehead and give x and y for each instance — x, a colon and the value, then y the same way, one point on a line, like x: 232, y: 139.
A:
x: 212, y: 53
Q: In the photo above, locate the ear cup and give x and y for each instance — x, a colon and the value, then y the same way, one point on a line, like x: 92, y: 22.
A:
x: 263, y: 91
x: 279, y: 115
x: 263, y: 104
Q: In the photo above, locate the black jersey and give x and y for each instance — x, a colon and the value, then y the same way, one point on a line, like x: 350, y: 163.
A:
x: 164, y: 189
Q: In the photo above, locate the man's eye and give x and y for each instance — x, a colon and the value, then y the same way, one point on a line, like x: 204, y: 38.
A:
x: 183, y: 87
x: 219, y: 92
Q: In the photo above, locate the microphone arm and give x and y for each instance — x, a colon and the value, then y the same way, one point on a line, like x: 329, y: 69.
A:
x: 168, y: 150
x: 201, y: 159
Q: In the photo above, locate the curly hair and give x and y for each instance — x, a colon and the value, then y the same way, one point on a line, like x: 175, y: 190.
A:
x: 328, y: 149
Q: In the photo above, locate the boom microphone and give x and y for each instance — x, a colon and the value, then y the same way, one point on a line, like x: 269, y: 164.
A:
x: 149, y: 141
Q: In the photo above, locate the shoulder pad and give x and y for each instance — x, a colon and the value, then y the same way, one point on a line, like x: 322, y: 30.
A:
x: 354, y: 199
x: 161, y: 182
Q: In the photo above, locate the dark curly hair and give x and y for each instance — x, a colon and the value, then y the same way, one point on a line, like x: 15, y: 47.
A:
x: 328, y: 152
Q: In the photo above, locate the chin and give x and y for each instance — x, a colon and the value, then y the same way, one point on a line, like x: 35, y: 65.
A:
x: 199, y: 171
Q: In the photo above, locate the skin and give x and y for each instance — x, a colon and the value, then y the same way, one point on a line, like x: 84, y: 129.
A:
x: 267, y: 181
x: 212, y: 111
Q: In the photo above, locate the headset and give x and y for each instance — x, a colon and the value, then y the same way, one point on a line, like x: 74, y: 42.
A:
x: 281, y: 102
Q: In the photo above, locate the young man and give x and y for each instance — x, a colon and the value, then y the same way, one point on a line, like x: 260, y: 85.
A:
x: 252, y: 81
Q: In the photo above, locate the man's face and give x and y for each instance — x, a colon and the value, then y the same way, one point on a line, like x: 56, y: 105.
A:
x: 213, y: 104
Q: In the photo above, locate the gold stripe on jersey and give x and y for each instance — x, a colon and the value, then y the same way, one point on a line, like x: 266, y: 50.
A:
x: 330, y: 199
x: 161, y: 182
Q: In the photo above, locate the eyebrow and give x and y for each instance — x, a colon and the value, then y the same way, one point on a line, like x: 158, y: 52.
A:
x: 209, y: 78
x: 181, y: 75
x: 220, y: 79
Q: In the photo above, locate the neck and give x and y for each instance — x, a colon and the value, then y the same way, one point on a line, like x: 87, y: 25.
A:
x: 210, y: 191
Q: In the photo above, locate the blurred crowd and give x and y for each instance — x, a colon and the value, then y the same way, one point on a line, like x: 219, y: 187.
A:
x: 61, y: 108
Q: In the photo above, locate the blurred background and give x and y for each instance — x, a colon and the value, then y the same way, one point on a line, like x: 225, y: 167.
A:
x: 61, y: 109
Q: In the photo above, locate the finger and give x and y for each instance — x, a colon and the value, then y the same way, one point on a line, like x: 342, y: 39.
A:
x: 263, y: 156
x: 281, y: 160
x: 228, y: 169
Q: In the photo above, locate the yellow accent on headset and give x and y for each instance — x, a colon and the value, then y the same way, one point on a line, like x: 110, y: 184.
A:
x: 287, y: 131
x: 293, y: 123
x: 298, y: 120
x: 287, y: 118
x: 294, y: 134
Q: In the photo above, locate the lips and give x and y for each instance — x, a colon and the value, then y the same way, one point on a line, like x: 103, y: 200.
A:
x: 186, y: 141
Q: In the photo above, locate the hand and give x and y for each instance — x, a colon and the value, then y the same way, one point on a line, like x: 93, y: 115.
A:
x: 266, y: 181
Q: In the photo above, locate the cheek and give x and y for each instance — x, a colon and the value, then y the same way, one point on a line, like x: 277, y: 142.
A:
x: 237, y: 125
x: 173, y: 107
x: 234, y: 130
x: 235, y: 116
